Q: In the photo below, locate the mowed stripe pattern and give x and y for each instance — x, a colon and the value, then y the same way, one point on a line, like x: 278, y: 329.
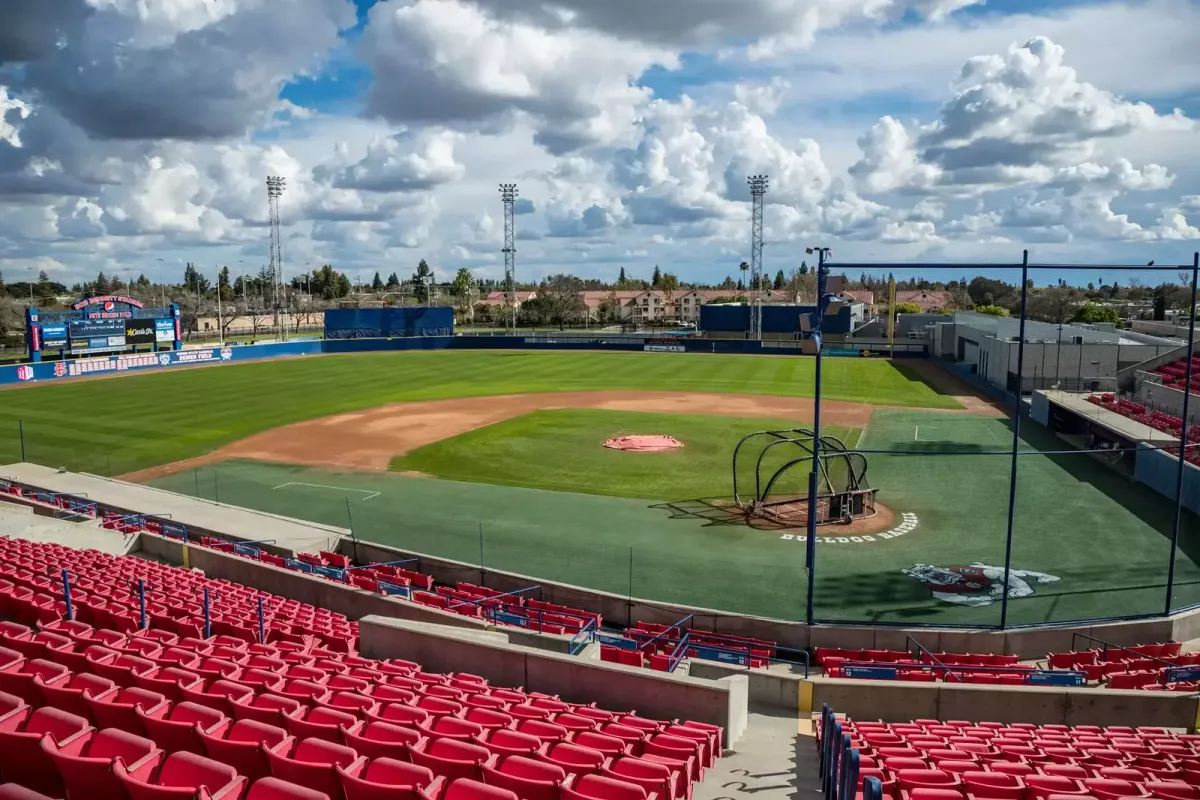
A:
x: 118, y: 425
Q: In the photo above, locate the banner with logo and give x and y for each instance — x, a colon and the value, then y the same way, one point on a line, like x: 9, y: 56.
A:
x: 139, y: 331
x: 109, y: 306
x: 164, y: 331
x: 665, y: 348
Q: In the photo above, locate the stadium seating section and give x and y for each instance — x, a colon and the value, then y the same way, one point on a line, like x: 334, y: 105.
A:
x: 1149, y: 666
x: 1174, y: 374
x: 96, y: 707
x: 1159, y: 420
x: 644, y: 645
x: 954, y: 760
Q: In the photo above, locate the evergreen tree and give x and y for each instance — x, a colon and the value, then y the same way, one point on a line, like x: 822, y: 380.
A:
x: 779, y: 280
x: 101, y: 286
x: 3, y: 291
x: 656, y: 279
x: 803, y: 267
x: 421, y: 280
x: 377, y: 283
x: 620, y: 278
x: 393, y: 281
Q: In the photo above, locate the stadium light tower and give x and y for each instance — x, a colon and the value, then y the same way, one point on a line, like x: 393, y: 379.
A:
x: 758, y: 188
x: 508, y: 194
x: 275, y: 188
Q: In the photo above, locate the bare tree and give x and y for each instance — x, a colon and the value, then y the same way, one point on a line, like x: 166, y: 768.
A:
x: 802, y: 286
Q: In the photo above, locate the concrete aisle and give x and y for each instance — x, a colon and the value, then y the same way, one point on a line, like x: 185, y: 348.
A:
x: 774, y: 760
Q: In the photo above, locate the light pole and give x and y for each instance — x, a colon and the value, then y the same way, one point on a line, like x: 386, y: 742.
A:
x: 30, y: 270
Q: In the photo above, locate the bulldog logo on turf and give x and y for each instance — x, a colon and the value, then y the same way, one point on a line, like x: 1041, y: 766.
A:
x: 978, y: 584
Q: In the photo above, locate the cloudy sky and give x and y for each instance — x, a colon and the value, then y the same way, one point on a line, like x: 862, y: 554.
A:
x: 892, y: 130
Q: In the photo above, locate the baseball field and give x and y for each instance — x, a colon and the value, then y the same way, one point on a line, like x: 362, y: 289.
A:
x: 497, y: 458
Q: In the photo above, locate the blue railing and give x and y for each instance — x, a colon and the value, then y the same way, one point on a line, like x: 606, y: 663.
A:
x: 839, y: 770
x: 580, y: 639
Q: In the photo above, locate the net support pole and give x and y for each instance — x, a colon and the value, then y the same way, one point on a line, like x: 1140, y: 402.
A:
x: 810, y: 546
x: 262, y: 628
x: 207, y: 615
x: 66, y: 583
x: 21, y: 433
x: 1016, y: 442
x: 143, y: 625
x: 1183, y: 440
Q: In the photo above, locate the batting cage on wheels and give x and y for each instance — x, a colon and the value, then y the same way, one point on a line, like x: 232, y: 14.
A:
x: 771, y: 471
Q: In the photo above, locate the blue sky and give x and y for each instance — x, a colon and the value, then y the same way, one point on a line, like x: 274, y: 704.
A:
x: 924, y: 132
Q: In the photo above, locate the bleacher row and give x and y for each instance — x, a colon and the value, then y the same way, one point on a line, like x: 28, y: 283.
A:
x: 956, y: 760
x: 95, y: 707
x: 644, y: 645
x: 1156, y: 667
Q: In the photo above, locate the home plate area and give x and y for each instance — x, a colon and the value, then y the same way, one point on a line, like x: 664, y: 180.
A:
x: 908, y: 523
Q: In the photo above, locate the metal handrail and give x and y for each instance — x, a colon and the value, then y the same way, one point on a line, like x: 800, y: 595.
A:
x: 1108, y: 645
x: 665, y: 630
x: 922, y: 649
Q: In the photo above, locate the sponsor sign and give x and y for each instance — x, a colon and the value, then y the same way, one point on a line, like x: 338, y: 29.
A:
x: 54, y: 337
x: 173, y: 529
x: 713, y: 654
x: 1059, y: 678
x: 870, y: 673
x: 164, y: 331
x: 1183, y: 674
x: 139, y: 331
x: 110, y: 306
x: 665, y: 348
x: 616, y: 641
x: 977, y: 584
x: 511, y: 619
x: 24, y: 373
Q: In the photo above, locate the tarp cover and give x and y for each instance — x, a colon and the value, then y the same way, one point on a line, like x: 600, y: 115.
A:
x: 376, y: 323
x: 643, y: 443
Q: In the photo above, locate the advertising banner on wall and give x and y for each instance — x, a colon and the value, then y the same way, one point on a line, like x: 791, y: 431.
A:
x: 54, y: 337
x: 164, y: 331
x: 109, y: 306
x: 139, y: 331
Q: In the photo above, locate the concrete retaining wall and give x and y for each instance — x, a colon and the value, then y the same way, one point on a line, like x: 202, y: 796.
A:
x: 619, y: 611
x: 902, y: 701
x: 653, y: 694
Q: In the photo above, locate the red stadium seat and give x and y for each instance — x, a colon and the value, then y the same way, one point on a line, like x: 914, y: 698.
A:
x: 315, y: 763
x: 391, y: 779
x: 86, y: 763
x: 22, y: 759
x: 529, y: 779
x: 275, y: 789
x: 244, y: 746
x: 183, y: 775
x: 599, y: 787
x: 452, y: 758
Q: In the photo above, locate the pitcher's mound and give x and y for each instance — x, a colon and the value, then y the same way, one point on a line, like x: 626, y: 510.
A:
x: 644, y: 443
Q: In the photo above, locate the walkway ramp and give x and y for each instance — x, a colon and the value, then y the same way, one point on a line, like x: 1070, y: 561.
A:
x: 19, y: 522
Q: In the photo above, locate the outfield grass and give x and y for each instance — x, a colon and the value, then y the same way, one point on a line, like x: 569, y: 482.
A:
x: 118, y: 425
x: 562, y: 450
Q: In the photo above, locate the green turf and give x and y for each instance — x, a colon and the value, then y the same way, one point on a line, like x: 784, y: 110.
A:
x: 136, y: 421
x: 562, y: 450
x: 1103, y: 536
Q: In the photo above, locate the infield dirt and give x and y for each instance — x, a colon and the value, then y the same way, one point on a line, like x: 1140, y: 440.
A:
x: 368, y: 440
